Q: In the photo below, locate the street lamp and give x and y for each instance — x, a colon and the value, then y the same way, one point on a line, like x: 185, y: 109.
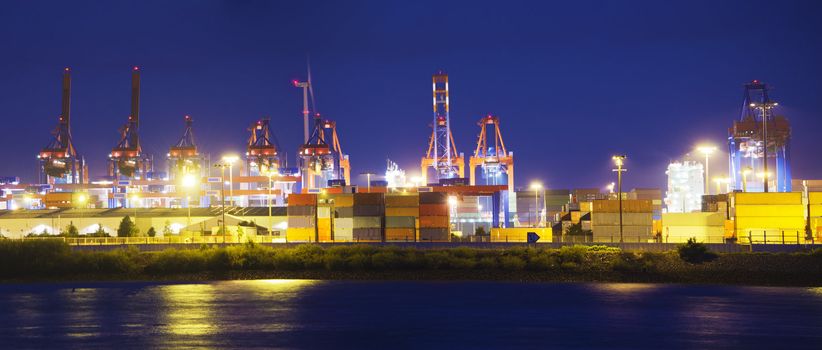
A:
x: 222, y: 167
x: 189, y: 182
x: 619, y: 160
x: 368, y: 178
x: 719, y: 181
x: 270, y: 175
x: 230, y: 159
x: 610, y: 187
x: 707, y: 151
x: 745, y: 173
x: 536, y: 186
x: 453, y: 203
x: 82, y: 199
x: 134, y: 199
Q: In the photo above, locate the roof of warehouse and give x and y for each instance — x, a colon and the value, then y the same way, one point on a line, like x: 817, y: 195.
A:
x: 141, y: 212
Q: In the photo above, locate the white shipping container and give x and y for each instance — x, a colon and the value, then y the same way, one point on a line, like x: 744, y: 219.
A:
x: 344, y: 223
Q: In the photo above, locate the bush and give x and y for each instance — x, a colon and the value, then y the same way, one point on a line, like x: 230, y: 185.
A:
x: 511, y: 263
x: 695, y: 252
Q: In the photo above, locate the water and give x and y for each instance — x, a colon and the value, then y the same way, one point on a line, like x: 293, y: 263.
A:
x: 396, y: 315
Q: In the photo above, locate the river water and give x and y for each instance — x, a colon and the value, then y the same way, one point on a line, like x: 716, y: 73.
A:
x: 399, y: 315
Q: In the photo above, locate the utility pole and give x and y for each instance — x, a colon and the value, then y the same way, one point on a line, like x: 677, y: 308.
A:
x: 619, y: 160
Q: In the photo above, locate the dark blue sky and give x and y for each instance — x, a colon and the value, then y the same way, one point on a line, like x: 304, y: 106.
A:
x: 573, y: 82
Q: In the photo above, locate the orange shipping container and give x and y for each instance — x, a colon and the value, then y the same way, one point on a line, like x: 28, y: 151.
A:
x: 412, y: 211
x: 368, y: 198
x: 344, y: 200
x: 302, y: 199
x: 434, y: 209
x: 400, y: 234
x: 434, y: 221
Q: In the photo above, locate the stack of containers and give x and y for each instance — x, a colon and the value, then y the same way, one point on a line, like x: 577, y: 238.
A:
x: 302, y: 218
x: 324, y: 219
x: 637, y: 220
x: 767, y: 217
x: 368, y: 214
x: 343, y: 218
x: 434, y: 217
x: 402, y: 210
x: 815, y: 202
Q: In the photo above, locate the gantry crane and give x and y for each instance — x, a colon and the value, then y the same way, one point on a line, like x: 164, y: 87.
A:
x: 263, y: 151
x: 442, y: 152
x: 492, y: 157
x: 771, y: 159
x: 343, y: 164
x: 59, y: 161
x: 127, y: 160
x: 183, y: 157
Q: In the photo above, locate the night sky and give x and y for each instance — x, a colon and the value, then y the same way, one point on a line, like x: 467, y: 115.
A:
x: 572, y: 82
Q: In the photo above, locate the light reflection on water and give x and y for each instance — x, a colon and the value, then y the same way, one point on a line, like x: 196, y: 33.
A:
x: 324, y: 314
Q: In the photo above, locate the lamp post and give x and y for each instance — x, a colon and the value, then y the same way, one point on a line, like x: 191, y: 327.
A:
x: 707, y: 151
x: 230, y: 161
x: 222, y: 167
x: 81, y: 201
x: 189, y: 182
x: 619, y: 160
x: 368, y: 178
x: 453, y: 202
x: 745, y: 173
x: 134, y: 199
x: 536, y: 186
x: 270, y: 174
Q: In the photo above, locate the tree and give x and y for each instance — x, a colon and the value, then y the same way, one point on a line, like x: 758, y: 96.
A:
x: 127, y: 228
x: 100, y: 232
x: 480, y: 231
x: 695, y: 252
x: 167, y: 229
x: 71, y: 230
x: 151, y: 232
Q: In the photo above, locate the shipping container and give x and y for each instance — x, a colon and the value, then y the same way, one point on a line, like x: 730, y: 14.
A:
x: 344, y: 223
x: 368, y: 210
x: 324, y: 224
x: 324, y: 212
x: 628, y: 206
x: 301, y: 221
x: 775, y: 223
x: 400, y: 221
x: 433, y: 198
x: 434, y: 222
x: 300, y: 234
x: 324, y: 235
x: 405, y: 200
x: 643, y: 233
x: 797, y: 210
x: 346, y: 212
x: 434, y: 209
x: 606, y: 219
x: 400, y: 234
x: 344, y: 200
x: 585, y: 207
x: 413, y: 211
x: 816, y: 210
x: 302, y: 199
x: 368, y: 199
x: 367, y: 222
x: 367, y: 234
x: 343, y: 234
x: 693, y: 219
x: 301, y: 210
x: 814, y: 198
x: 704, y: 234
x: 434, y: 235
x: 771, y: 198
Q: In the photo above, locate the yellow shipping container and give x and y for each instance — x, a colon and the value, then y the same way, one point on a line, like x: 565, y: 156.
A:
x: 774, y: 223
x: 434, y: 221
x: 520, y: 234
x: 324, y: 224
x: 815, y: 198
x: 770, y: 198
x: 585, y: 207
x: 408, y: 200
x: 693, y: 219
x: 786, y: 210
x: 704, y: 234
x: 413, y: 211
x: 344, y: 200
x: 324, y: 234
x: 575, y: 215
x: 816, y: 210
x: 299, y: 234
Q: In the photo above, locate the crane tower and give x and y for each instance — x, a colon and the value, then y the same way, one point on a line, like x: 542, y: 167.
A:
x: 493, y: 158
x: 183, y: 156
x: 756, y: 165
x: 59, y: 162
x: 442, y: 152
x: 127, y: 159
x: 263, y: 151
